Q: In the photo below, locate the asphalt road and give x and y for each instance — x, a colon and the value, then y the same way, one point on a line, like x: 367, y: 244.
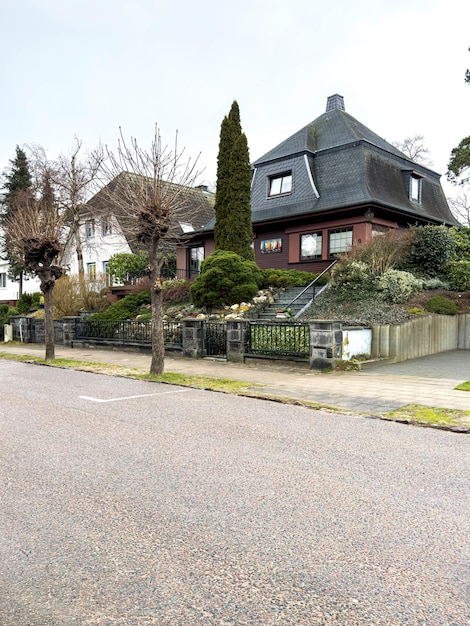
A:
x: 135, y: 503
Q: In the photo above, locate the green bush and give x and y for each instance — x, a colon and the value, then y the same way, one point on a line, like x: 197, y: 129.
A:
x: 125, y: 266
x: 396, y: 286
x: 432, y: 248
x: 5, y: 313
x: 225, y: 279
x: 461, y: 237
x: 427, y: 284
x: 28, y: 301
x: 289, y: 278
x: 441, y: 305
x: 459, y: 274
x: 353, y: 279
x: 126, y: 309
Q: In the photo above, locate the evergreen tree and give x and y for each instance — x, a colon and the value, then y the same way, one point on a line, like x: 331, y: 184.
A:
x: 233, y: 230
x: 238, y: 227
x: 17, y: 185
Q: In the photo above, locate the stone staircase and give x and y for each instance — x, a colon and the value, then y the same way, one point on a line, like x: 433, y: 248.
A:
x: 290, y: 299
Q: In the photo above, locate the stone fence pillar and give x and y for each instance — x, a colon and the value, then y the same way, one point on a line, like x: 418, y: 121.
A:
x: 193, y: 338
x: 326, y: 344
x: 236, y: 340
x: 69, y: 329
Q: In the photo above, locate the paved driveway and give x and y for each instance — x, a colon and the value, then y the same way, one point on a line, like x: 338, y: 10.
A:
x: 129, y: 503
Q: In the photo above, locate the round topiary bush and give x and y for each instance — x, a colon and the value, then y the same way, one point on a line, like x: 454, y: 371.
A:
x: 225, y: 279
x: 441, y: 305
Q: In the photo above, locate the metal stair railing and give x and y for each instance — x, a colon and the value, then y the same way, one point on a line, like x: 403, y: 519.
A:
x: 305, y: 290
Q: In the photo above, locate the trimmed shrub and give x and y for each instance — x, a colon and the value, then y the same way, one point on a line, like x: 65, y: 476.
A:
x: 432, y: 248
x: 396, y: 286
x: 225, y: 279
x: 459, y: 275
x: 441, y: 305
x: 289, y: 278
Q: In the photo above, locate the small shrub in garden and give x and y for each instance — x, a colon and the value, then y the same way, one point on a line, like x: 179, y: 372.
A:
x: 383, y: 252
x: 459, y: 275
x: 416, y: 311
x: 5, y: 313
x: 126, y: 309
x: 396, y: 286
x: 176, y: 291
x: 353, y: 279
x: 441, y: 305
x: 427, y: 284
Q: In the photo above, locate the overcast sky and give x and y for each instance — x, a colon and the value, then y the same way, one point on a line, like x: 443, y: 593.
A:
x: 86, y: 67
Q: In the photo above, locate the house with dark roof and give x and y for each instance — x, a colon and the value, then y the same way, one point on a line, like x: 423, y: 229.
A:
x: 332, y: 184
x: 104, y: 230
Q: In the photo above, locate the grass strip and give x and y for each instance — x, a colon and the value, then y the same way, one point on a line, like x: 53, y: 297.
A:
x: 463, y: 386
x: 430, y: 416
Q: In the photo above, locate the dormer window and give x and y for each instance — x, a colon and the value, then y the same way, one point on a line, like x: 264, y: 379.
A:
x: 416, y: 184
x: 280, y: 185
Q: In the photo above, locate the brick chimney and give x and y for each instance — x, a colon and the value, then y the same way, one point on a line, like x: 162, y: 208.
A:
x: 335, y: 103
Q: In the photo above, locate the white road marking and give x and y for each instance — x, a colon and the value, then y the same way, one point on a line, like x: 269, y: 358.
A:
x: 144, y: 395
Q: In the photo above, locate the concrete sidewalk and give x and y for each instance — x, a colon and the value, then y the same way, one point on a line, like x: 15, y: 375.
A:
x: 429, y: 381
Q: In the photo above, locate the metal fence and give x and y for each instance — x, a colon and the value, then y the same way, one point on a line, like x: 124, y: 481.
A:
x: 127, y: 332
x: 279, y: 340
x: 215, y: 339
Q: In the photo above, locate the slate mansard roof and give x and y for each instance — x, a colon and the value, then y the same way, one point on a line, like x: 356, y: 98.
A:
x: 336, y: 162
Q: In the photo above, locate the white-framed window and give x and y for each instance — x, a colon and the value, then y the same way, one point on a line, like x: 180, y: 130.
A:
x: 106, y: 275
x: 416, y: 184
x: 196, y: 257
x: 339, y: 240
x: 106, y: 226
x: 310, y: 246
x: 89, y: 228
x: 3, y: 280
x: 280, y: 185
x: 91, y: 272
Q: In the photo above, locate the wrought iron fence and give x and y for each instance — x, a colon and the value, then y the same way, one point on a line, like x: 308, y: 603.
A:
x: 215, y: 339
x: 279, y: 339
x: 127, y: 332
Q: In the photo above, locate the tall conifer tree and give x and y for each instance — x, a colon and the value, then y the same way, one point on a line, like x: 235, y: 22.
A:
x: 233, y: 230
x: 17, y: 182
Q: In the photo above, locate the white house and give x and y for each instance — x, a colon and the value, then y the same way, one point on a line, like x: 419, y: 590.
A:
x: 101, y: 237
x: 9, y: 289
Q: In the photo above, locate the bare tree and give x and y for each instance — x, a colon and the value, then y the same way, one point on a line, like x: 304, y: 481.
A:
x: 75, y: 178
x: 414, y: 148
x: 460, y: 206
x: 33, y: 236
x: 149, y: 190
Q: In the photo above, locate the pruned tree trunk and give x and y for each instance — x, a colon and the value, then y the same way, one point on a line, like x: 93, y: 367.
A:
x: 47, y: 290
x: 157, y: 364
